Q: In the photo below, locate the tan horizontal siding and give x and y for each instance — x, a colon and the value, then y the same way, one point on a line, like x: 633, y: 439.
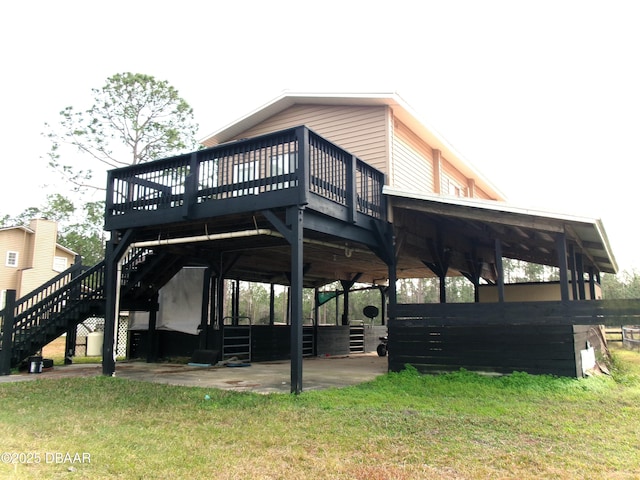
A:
x: 14, y: 240
x: 359, y: 130
x: 412, y: 161
x: 452, y: 176
x: 479, y: 193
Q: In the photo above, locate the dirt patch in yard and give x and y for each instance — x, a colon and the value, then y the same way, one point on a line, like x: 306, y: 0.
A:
x: 54, y: 349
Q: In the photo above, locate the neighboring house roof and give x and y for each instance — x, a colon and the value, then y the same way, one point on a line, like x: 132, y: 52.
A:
x: 65, y: 249
x: 31, y: 232
x: 21, y: 227
x: 401, y: 110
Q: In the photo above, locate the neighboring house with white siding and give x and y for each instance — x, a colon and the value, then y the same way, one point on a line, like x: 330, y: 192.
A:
x: 30, y: 256
x: 380, y: 129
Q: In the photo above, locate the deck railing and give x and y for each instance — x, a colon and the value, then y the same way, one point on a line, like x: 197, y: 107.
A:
x: 296, y: 161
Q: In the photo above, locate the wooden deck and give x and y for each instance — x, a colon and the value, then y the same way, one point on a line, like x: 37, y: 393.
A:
x: 237, y: 201
x: 291, y: 167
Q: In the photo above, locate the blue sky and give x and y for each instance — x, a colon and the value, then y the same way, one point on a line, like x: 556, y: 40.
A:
x: 543, y: 96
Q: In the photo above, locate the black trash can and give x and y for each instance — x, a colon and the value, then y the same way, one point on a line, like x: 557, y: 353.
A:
x: 35, y: 364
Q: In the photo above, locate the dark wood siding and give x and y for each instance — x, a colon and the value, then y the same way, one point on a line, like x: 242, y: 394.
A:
x: 533, y: 337
x: 496, y: 349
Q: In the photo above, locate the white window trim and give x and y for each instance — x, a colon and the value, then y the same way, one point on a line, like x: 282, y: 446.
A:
x: 60, y: 264
x: 15, y: 255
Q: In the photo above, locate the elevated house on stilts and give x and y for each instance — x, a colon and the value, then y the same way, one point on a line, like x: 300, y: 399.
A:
x: 312, y: 189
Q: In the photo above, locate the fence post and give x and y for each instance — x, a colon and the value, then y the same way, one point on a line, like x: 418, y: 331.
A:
x: 7, y: 332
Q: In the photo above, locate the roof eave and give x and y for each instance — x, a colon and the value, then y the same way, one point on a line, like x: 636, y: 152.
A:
x: 593, y: 224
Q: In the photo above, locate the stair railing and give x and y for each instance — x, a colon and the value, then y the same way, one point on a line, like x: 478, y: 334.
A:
x: 48, y: 309
x: 45, y: 307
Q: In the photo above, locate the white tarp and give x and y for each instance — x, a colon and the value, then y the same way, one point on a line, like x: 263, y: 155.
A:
x: 180, y: 304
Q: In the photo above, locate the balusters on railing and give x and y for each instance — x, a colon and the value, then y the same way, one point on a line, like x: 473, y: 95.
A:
x: 57, y: 298
x: 294, y: 158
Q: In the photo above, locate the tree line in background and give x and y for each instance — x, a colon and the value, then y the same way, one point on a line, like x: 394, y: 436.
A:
x: 254, y: 302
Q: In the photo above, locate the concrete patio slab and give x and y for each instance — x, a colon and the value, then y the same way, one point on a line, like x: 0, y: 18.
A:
x: 262, y: 377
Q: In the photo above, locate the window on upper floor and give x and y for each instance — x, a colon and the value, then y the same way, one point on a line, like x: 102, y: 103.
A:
x: 455, y: 189
x: 59, y: 264
x: 282, y: 165
x: 245, y: 172
x: 12, y: 259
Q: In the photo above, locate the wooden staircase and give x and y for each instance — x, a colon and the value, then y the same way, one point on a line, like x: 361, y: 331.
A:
x: 50, y: 310
x: 77, y: 294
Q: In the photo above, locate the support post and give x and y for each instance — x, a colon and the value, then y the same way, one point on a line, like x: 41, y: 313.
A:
x: 272, y: 305
x: 442, y: 281
x: 296, y: 299
x: 218, y: 333
x: 383, y: 305
x: 235, y: 303
x: 7, y: 332
x: 351, y: 189
x: 152, y: 352
x: 499, y: 270
x: 346, y: 286
x: 111, y: 309
x: 316, y: 319
x: 302, y: 135
x: 72, y: 331
x: 580, y: 276
x: 572, y: 271
x: 114, y: 252
x: 393, y: 302
x: 592, y: 284
x: 561, y: 248
x: 440, y: 265
x: 210, y: 341
x: 204, y: 310
x: 316, y: 306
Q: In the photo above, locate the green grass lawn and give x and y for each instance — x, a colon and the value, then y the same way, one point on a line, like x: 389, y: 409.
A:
x: 400, y: 426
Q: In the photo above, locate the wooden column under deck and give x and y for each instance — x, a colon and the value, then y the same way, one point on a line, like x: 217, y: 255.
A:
x: 499, y: 270
x: 561, y: 248
x: 296, y: 240
x: 152, y: 353
x: 114, y: 252
x: 111, y: 308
